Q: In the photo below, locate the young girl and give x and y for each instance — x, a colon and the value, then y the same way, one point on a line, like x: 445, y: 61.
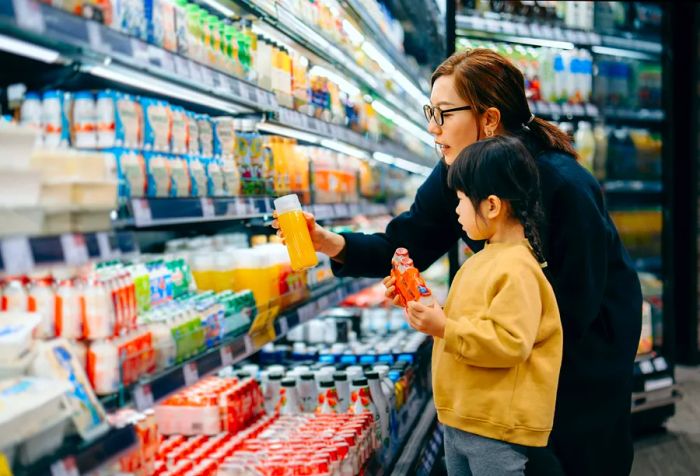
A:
x: 498, y: 342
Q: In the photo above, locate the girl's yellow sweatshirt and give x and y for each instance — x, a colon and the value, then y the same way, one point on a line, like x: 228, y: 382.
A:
x: 495, y: 373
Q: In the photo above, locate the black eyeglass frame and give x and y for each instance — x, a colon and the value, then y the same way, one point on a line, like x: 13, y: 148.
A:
x: 429, y: 112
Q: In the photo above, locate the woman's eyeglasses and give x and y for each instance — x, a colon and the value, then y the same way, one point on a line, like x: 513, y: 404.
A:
x: 434, y: 112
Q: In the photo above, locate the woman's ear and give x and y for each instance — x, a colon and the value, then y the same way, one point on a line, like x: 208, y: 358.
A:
x: 494, y: 206
x: 491, y: 121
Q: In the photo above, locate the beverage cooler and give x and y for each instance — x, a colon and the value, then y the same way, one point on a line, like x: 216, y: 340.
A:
x: 600, y: 71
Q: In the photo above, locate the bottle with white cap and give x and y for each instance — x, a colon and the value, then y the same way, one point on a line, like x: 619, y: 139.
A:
x: 289, y: 399
x: 296, y: 233
x: 343, y: 388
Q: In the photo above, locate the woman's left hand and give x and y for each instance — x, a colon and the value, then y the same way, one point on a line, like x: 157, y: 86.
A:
x: 429, y: 320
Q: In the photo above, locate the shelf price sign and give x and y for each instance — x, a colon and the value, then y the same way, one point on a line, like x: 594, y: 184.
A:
x: 190, y: 372
x: 143, y: 397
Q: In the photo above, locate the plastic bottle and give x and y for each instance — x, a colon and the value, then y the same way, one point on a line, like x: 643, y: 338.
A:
x: 308, y: 394
x: 585, y: 145
x: 293, y: 225
x: 382, y: 404
x: 272, y: 392
x: 42, y: 299
x: 54, y: 120
x: 99, y: 312
x: 14, y: 297
x: 361, y: 402
x: 30, y: 115
x: 69, y: 311
x: 343, y: 388
x: 289, y: 399
x: 327, y: 398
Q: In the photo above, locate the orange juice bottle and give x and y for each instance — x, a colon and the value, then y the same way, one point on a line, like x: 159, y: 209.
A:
x: 293, y: 225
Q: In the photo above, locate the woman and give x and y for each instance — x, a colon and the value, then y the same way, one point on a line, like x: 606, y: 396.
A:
x: 477, y: 94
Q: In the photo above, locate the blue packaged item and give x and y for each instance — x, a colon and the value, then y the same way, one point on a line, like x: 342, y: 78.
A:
x: 179, y: 130
x: 157, y: 125
x: 206, y: 135
x: 131, y: 173
x: 129, y: 16
x: 198, y: 176
x: 192, y: 134
x: 158, y: 173
x: 406, y: 358
x: 180, y: 184
x: 368, y: 359
x: 350, y: 359
x: 215, y: 177
x: 386, y: 359
x: 326, y: 358
x: 119, y: 119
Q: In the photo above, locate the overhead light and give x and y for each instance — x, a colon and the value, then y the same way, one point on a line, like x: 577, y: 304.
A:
x: 226, y: 11
x: 384, y: 158
x: 344, y: 148
x: 288, y: 132
x: 606, y: 50
x: 355, y: 36
x: 166, y: 88
x: 28, y: 50
x: 404, y: 164
x: 404, y: 123
x: 405, y: 83
x: 377, y: 56
x: 344, y: 84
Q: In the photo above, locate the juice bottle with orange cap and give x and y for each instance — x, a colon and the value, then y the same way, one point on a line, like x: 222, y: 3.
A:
x: 293, y: 225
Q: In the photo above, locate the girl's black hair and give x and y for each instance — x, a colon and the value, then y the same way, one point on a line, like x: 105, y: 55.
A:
x: 502, y: 166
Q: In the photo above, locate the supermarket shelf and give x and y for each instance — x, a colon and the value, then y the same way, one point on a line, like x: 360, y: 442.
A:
x: 526, y: 32
x: 397, y: 57
x: 78, y: 457
x: 19, y: 255
x: 153, y: 388
x: 282, y: 19
x: 634, y: 115
x: 109, y: 54
x: 156, y: 212
x: 313, y: 130
x: 590, y: 112
x: 420, y: 436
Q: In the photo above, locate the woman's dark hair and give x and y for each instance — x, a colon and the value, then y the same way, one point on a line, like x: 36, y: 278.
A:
x: 502, y: 166
x: 485, y: 79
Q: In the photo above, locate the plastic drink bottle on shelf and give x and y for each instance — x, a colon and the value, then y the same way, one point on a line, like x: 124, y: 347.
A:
x: 293, y: 225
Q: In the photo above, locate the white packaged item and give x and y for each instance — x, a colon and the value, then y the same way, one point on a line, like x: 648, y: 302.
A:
x: 180, y: 130
x: 24, y: 221
x: 99, y: 311
x: 47, y: 441
x: 14, y: 296
x: 56, y: 359
x: 188, y: 420
x: 55, y: 120
x: 382, y: 404
x: 42, y: 300
x: 104, y: 360
x: 95, y: 194
x: 26, y: 404
x: 84, y: 124
x: 30, y: 116
x: 20, y: 188
x: 56, y: 222
x: 69, y: 315
x: 16, y: 330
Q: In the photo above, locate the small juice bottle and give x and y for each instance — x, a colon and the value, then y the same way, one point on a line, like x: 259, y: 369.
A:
x: 293, y: 224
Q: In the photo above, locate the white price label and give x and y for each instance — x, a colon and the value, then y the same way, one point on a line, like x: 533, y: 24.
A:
x: 660, y: 364
x: 223, y: 83
x: 181, y: 67
x: 284, y: 326
x: 196, y: 73
x: 657, y: 384
x: 307, y: 312
x: 16, y: 255
x: 29, y: 16
x: 208, y: 210
x: 207, y: 77
x: 143, y: 397
x: 142, y: 212
x: 240, y: 207
x: 646, y: 367
x: 75, y: 251
x: 104, y: 246
x: 190, y: 372
x: 249, y: 347
x: 226, y: 356
x: 235, y: 87
x: 65, y: 467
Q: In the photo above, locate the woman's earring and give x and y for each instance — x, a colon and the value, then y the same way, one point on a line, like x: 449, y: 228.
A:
x: 489, y: 133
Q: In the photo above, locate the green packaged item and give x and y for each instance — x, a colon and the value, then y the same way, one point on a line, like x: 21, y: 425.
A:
x: 189, y: 339
x: 181, y: 277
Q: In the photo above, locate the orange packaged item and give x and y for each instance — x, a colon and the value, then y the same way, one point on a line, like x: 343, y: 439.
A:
x: 410, y: 286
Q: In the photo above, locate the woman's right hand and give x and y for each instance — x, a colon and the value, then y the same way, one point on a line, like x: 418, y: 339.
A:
x: 324, y: 241
x: 390, y: 284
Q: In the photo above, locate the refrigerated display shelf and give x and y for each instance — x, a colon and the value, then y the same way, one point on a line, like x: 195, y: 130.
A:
x: 526, y: 32
x: 54, y: 36
x: 20, y: 255
x: 590, y: 112
x: 286, y: 22
x: 422, y: 435
x: 76, y: 457
x: 158, y: 212
x: 153, y: 388
x: 633, y: 186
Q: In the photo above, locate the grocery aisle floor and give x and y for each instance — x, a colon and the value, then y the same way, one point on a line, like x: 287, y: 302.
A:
x: 675, y: 452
